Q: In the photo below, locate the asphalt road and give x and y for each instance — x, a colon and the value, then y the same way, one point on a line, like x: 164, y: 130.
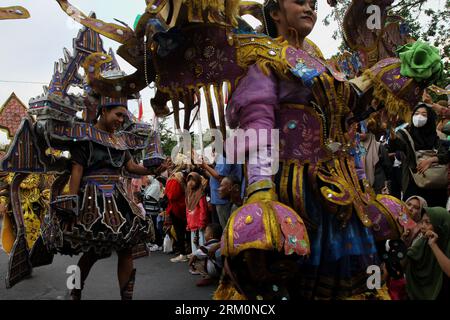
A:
x: 156, y: 279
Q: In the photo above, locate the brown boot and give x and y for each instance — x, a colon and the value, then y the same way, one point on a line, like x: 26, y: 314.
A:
x: 126, y: 292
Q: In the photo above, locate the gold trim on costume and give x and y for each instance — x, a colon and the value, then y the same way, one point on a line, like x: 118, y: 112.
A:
x: 259, y: 185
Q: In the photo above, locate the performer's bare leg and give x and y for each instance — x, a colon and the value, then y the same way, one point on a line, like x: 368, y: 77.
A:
x: 125, y: 274
x: 87, y: 260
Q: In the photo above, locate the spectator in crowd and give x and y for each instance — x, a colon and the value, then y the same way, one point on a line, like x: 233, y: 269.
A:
x: 230, y: 189
x: 207, y: 260
x: 198, y: 160
x: 428, y: 260
x: 138, y: 199
x: 422, y: 133
x: 151, y: 195
x: 441, y: 107
x: 196, y: 209
x: 221, y: 170
x: 416, y: 205
x: 377, y: 165
x: 392, y: 270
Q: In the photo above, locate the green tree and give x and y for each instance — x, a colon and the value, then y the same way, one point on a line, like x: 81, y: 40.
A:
x: 168, y: 138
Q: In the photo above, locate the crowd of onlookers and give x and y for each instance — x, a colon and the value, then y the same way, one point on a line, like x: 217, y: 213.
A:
x: 190, y: 207
x: 190, y: 204
x: 411, y: 163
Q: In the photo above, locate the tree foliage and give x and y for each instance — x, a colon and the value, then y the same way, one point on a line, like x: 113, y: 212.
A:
x: 168, y: 138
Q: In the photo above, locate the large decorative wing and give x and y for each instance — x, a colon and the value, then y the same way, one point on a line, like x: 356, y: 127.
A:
x: 370, y: 41
x: 132, y: 50
x: 15, y: 12
x: 113, y: 31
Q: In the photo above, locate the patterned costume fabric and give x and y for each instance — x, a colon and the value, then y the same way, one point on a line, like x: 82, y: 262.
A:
x: 313, y: 225
x: 102, y: 217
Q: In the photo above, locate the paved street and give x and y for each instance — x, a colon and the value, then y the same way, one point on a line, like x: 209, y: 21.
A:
x: 157, y: 279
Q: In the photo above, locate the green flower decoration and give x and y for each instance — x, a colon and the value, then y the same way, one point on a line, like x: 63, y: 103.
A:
x: 420, y: 61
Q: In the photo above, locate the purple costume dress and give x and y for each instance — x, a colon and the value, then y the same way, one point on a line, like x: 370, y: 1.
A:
x: 341, y: 246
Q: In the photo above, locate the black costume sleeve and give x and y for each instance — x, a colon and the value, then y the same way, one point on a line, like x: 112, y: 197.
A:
x: 128, y: 157
x: 80, y: 154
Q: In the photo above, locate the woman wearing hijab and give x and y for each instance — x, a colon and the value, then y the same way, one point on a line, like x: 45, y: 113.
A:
x: 196, y: 209
x: 415, y: 205
x: 428, y: 264
x: 422, y: 131
x: 377, y: 165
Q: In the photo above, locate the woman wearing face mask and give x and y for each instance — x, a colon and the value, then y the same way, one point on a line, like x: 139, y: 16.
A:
x: 422, y: 131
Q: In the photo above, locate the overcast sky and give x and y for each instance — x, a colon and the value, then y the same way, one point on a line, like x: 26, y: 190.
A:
x: 31, y: 47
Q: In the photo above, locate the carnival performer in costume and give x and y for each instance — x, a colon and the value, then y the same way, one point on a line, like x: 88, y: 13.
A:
x: 341, y: 247
x: 317, y: 175
x: 283, y: 84
x: 97, y: 177
x: 94, y: 215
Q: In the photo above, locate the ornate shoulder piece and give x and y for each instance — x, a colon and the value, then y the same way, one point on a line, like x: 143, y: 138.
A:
x: 399, y: 94
x: 268, y: 53
x: 399, y: 82
x: 316, y: 51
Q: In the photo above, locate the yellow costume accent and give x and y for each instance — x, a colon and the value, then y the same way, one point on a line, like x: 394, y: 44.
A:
x: 379, y: 294
x: 8, y: 234
x: 30, y: 195
x: 395, y: 106
x: 15, y: 12
x: 226, y: 291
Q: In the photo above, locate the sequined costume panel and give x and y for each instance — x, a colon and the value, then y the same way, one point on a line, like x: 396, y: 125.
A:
x: 107, y: 218
x: 267, y: 102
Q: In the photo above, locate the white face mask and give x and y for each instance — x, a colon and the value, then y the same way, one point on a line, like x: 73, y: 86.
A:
x: 419, y: 120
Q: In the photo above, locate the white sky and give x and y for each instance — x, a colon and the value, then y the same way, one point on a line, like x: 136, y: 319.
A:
x: 31, y: 47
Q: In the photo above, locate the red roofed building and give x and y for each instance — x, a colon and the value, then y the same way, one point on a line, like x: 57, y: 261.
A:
x: 11, y: 114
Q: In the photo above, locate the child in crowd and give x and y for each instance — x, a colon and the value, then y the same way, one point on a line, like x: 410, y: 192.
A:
x: 196, y: 209
x: 207, y: 260
x: 139, y: 199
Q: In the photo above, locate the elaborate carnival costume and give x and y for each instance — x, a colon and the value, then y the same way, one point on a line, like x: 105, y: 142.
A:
x: 204, y: 45
x: 101, y: 217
